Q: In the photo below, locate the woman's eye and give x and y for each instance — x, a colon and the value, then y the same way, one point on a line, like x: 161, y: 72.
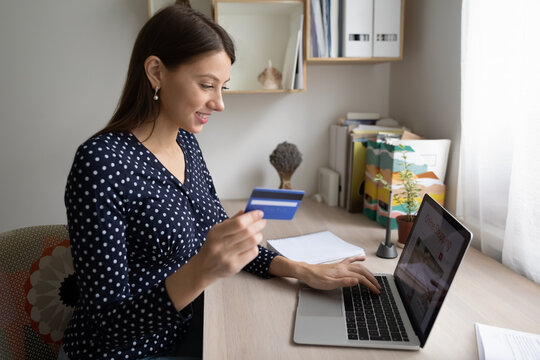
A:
x: 211, y: 86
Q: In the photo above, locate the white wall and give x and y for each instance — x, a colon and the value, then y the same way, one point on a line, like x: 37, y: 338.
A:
x: 62, y: 68
x: 425, y: 87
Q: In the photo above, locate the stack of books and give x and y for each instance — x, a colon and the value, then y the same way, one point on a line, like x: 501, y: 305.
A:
x: 348, y: 144
x: 361, y: 148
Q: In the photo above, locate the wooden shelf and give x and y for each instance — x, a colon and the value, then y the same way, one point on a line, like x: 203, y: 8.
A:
x: 261, y: 30
x: 264, y: 91
x: 348, y: 60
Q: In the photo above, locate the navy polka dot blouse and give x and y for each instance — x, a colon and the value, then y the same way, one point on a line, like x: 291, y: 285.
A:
x: 132, y: 224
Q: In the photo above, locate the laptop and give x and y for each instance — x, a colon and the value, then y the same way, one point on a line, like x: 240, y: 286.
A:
x: 412, y: 299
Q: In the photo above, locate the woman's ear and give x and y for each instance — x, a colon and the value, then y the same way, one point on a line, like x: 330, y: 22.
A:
x: 152, y: 68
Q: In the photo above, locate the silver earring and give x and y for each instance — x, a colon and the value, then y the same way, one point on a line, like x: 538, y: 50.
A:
x: 156, y: 97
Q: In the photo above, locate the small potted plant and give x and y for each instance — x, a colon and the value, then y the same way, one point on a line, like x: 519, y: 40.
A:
x: 408, y: 196
x: 286, y: 158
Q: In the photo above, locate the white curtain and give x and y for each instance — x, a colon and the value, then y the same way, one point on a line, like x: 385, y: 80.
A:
x: 499, y: 181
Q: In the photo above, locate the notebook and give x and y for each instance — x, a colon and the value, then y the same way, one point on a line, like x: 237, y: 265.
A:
x: 435, y: 248
x: 316, y: 248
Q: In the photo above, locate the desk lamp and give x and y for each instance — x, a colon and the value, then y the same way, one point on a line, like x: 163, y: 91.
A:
x: 387, y: 250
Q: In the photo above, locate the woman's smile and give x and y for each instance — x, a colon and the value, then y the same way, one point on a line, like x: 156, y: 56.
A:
x: 202, y: 117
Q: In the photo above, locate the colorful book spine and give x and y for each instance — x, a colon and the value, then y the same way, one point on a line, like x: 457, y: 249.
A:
x: 387, y: 160
x: 370, y: 187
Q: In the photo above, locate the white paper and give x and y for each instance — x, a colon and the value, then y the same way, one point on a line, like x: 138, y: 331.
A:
x: 432, y: 152
x: 319, y: 29
x: 291, y: 56
x: 496, y: 343
x: 299, y: 78
x: 335, y: 8
x: 316, y: 248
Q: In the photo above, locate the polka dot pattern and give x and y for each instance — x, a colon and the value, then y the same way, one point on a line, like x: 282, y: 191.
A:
x: 132, y: 224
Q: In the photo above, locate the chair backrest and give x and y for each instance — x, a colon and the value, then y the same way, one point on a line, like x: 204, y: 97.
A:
x: 38, y: 291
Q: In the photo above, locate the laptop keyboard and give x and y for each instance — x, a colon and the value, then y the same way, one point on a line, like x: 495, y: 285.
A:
x: 373, y: 317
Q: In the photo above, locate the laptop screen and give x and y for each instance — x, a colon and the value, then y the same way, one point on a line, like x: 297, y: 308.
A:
x: 428, y: 263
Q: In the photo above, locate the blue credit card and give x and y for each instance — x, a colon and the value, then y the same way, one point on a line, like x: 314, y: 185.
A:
x: 276, y: 204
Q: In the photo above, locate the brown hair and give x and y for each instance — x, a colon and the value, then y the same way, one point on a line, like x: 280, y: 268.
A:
x: 176, y: 34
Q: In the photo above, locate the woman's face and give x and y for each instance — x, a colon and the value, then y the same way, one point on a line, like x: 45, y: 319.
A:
x: 192, y: 91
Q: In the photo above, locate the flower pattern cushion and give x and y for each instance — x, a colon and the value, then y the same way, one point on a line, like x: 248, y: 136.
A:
x: 37, y: 291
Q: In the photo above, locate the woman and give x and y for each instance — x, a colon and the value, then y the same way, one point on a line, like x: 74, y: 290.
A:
x: 148, y: 232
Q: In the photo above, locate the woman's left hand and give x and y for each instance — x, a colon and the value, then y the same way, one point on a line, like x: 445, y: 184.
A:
x: 348, y: 272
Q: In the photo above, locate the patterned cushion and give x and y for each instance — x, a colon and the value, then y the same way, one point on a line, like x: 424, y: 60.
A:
x: 38, y: 291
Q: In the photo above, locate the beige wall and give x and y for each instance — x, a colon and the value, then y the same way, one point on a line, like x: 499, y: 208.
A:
x: 425, y: 87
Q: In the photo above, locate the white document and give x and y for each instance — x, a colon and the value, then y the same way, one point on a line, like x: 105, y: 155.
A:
x: 362, y: 116
x: 291, y: 56
x: 387, y: 28
x: 433, y: 152
x: 496, y: 343
x: 332, y: 151
x: 334, y: 28
x: 325, y: 14
x: 357, y: 37
x: 319, y: 28
x: 299, y: 78
x: 338, y: 157
x: 316, y: 248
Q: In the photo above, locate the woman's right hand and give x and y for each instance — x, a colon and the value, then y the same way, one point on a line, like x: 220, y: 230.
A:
x: 231, y: 244
x: 229, y: 247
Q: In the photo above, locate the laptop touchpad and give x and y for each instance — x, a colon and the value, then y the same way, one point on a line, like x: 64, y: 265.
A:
x: 313, y: 302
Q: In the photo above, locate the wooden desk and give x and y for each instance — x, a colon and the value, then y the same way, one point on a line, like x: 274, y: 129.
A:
x: 250, y: 318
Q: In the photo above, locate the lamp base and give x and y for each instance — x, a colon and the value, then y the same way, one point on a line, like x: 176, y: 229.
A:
x: 386, y: 252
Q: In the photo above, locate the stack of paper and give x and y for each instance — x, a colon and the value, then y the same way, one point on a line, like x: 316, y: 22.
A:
x: 316, y: 248
x: 497, y: 343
